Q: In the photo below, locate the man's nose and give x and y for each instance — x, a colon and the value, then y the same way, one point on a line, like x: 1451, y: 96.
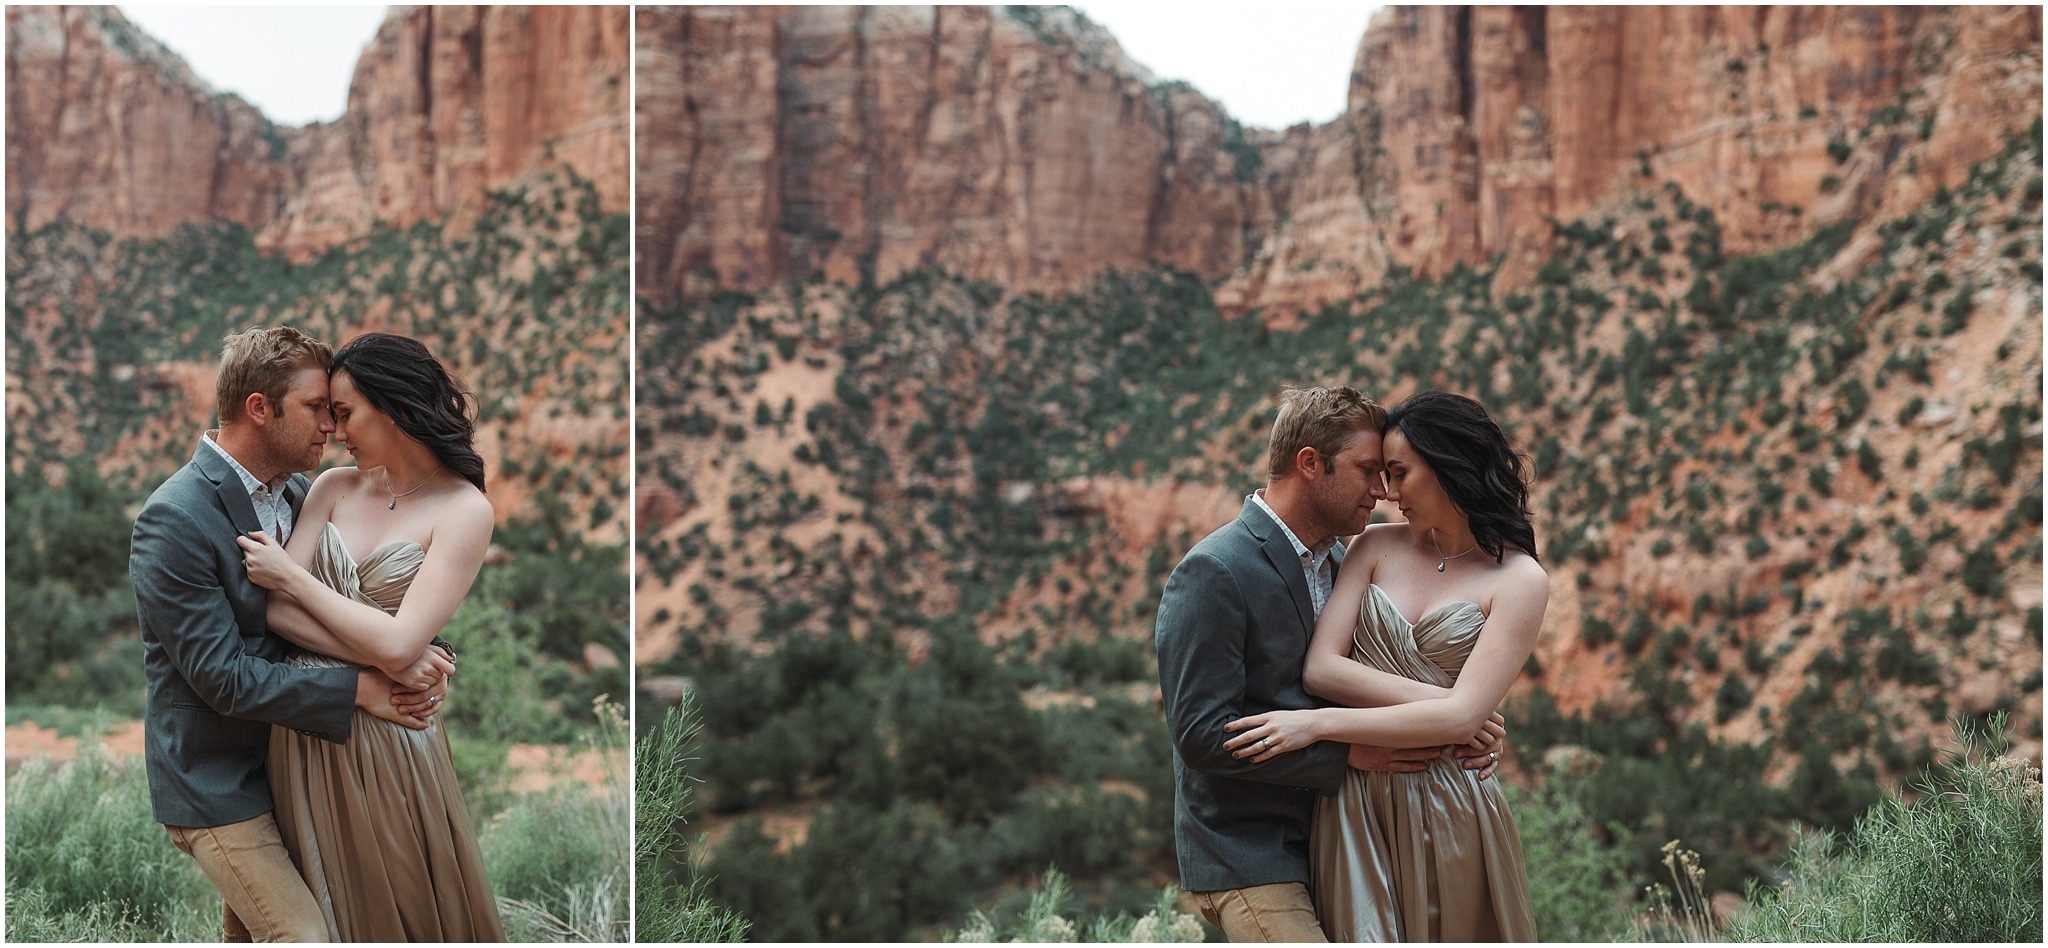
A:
x: 327, y: 424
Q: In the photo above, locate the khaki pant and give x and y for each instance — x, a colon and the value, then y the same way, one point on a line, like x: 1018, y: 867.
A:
x: 1262, y: 913
x: 264, y: 898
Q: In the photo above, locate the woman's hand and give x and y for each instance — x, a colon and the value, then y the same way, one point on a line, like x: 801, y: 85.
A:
x: 268, y: 564
x: 432, y: 668
x: 1275, y: 732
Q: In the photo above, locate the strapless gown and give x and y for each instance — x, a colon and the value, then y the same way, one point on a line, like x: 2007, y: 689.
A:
x: 1429, y: 856
x: 377, y: 825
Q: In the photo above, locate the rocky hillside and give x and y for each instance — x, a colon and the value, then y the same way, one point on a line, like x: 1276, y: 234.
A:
x: 473, y: 195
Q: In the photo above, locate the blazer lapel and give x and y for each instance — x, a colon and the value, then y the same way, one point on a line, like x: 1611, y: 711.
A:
x: 233, y: 496
x: 295, y: 494
x: 1281, y: 554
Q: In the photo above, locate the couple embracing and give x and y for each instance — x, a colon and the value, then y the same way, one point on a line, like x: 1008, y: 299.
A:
x: 291, y: 641
x: 1332, y: 708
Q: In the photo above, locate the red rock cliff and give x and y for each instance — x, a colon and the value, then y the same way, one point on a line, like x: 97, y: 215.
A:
x: 450, y: 103
x: 108, y: 128
x: 781, y: 142
x: 1469, y: 128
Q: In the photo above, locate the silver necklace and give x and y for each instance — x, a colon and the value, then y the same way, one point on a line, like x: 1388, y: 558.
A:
x: 1441, y: 559
x: 437, y: 473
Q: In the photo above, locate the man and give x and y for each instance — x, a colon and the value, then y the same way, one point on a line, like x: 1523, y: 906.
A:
x: 1233, y: 631
x: 217, y: 679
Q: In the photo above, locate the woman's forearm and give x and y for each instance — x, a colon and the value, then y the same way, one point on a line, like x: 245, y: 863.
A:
x: 287, y: 618
x: 374, y: 636
x: 1446, y: 720
x: 1357, y: 685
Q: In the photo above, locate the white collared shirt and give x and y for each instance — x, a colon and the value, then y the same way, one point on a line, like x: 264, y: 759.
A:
x: 273, y: 511
x: 1315, y: 564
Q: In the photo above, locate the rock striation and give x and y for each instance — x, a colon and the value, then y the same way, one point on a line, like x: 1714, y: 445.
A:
x: 1019, y: 145
x: 109, y: 129
x: 1015, y: 144
x: 1469, y: 130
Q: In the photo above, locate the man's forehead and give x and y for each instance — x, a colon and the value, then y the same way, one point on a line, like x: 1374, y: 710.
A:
x: 311, y: 382
x: 1363, y: 447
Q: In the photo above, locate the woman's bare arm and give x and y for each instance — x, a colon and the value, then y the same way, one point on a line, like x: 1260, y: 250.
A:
x: 389, y: 641
x: 1497, y: 659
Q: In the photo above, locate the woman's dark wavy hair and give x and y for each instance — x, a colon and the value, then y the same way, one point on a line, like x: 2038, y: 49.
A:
x: 400, y: 378
x: 1480, y: 470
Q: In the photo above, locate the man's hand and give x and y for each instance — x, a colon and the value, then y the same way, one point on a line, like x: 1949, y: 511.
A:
x: 375, y: 693
x: 1484, y: 751
x: 419, y: 704
x: 1399, y: 760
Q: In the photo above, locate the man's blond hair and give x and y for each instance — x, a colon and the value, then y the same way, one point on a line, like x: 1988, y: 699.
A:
x: 263, y: 362
x: 1325, y: 419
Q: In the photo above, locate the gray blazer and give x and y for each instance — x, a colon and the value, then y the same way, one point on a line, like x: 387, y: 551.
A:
x: 217, y: 680
x: 1233, y: 632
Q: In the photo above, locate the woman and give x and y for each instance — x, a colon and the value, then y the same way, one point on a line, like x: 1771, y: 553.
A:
x: 1451, y: 599
x: 382, y: 554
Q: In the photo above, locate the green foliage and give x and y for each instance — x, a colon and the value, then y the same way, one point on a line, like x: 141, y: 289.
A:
x: 1578, y: 869
x: 86, y: 861
x: 1043, y: 919
x: 70, y: 609
x: 669, y: 897
x: 557, y: 859
x: 1961, y: 863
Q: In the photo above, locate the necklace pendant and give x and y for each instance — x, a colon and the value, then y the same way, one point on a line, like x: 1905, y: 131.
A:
x: 1440, y: 565
x: 394, y: 506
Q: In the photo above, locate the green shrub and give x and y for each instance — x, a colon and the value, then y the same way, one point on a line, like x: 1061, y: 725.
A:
x: 1961, y: 863
x: 85, y: 861
x: 557, y: 859
x: 1579, y: 878
x: 670, y: 902
x: 1043, y: 920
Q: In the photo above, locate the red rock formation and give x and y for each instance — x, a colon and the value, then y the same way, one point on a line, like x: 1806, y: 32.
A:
x: 782, y: 142
x: 108, y: 128
x: 450, y: 103
x: 1468, y: 129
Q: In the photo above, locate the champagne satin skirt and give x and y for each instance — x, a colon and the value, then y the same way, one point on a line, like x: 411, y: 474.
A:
x: 378, y: 828
x: 1431, y: 856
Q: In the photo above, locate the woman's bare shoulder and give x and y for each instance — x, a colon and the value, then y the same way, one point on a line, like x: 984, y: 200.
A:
x: 1522, y: 574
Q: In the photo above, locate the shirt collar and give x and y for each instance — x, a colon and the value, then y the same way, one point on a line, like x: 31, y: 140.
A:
x: 1300, y: 548
x: 255, y: 487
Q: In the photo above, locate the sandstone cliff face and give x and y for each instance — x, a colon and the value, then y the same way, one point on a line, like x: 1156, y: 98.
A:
x: 1469, y: 129
x: 111, y: 130
x: 782, y: 142
x: 450, y: 103
x: 107, y: 127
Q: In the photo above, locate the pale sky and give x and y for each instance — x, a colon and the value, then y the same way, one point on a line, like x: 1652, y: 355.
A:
x: 1271, y: 64
x: 292, y: 62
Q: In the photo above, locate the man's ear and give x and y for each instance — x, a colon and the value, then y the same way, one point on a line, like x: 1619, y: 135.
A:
x: 256, y: 408
x: 1308, y: 463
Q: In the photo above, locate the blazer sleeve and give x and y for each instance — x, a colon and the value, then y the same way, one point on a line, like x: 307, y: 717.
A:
x: 1200, y: 638
x: 188, y: 608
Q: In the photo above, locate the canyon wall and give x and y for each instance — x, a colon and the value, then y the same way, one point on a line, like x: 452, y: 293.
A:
x: 778, y: 143
x: 110, y: 130
x: 1468, y: 130
x: 1024, y: 148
